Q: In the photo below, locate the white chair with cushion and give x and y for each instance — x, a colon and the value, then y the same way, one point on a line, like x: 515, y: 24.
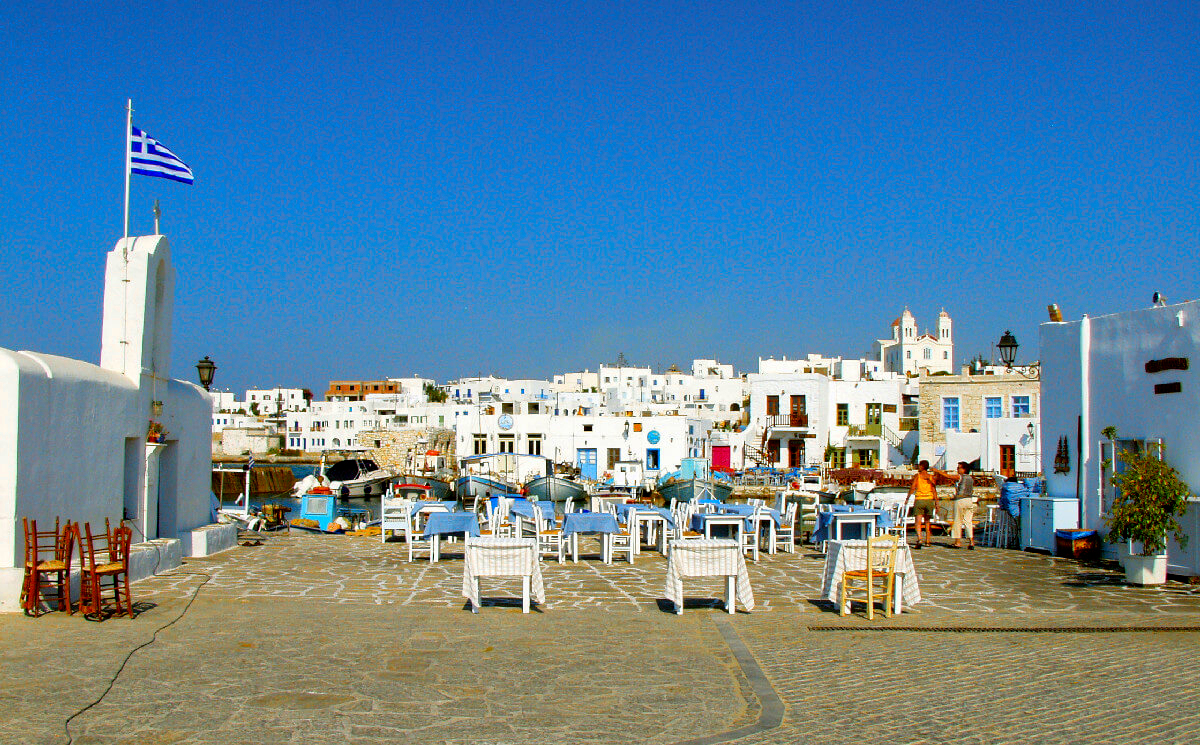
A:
x: 785, y: 534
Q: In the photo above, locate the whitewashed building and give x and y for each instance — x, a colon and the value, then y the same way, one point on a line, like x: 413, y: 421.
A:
x: 1135, y: 371
x: 74, y: 436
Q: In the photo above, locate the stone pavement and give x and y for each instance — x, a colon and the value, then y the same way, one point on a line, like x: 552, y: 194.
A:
x: 313, y: 639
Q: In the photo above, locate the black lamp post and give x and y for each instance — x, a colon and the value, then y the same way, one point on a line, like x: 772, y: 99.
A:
x: 206, y: 368
x: 1008, y: 355
x: 1008, y: 349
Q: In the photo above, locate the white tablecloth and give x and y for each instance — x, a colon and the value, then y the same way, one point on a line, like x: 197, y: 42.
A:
x: 707, y: 557
x: 844, y: 556
x: 501, y: 557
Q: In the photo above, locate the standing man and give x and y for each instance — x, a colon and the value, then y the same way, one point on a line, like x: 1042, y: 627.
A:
x: 964, y: 504
x: 926, y: 501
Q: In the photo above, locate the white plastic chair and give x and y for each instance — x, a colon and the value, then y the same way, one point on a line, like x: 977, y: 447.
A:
x: 786, y: 532
x: 394, y: 514
x: 417, y: 543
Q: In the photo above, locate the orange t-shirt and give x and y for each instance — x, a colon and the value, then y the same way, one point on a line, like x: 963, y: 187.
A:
x: 925, y: 488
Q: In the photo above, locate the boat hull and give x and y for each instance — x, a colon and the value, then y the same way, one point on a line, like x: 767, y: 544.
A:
x: 443, y: 491
x: 554, y: 489
x: 472, y: 488
x: 691, y: 490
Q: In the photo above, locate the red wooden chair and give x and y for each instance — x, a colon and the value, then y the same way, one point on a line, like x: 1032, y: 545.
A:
x: 47, y: 566
x: 105, y: 557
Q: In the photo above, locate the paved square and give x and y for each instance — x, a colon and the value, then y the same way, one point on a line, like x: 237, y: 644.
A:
x: 312, y: 639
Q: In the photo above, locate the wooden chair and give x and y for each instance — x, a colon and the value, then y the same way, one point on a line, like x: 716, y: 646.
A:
x: 105, y: 557
x: 47, y: 565
x: 880, y: 570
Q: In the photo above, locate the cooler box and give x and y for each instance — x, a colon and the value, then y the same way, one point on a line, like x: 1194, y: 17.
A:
x: 1077, y: 544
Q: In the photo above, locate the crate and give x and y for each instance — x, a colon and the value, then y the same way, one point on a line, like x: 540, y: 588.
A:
x: 1083, y: 545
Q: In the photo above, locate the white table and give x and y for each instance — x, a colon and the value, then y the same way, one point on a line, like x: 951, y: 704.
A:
x: 845, y: 556
x: 709, y: 557
x: 502, y: 557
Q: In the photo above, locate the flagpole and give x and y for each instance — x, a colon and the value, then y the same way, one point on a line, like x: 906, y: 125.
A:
x: 128, y: 144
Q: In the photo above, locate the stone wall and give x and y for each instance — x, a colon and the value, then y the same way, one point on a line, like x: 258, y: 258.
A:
x: 970, y: 390
x: 403, y: 450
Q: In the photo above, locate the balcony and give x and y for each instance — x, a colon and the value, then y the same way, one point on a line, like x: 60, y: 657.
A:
x: 789, y: 421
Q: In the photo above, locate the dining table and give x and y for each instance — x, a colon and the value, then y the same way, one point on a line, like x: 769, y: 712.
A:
x: 657, y: 520
x: 589, y: 523
x: 439, y: 524
x: 831, y: 523
x: 844, y: 556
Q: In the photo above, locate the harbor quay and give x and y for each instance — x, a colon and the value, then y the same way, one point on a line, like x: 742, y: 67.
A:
x: 320, y: 639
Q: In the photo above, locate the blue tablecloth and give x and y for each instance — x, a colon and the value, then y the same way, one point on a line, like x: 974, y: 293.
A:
x: 882, y: 519
x: 623, y: 512
x: 700, y: 518
x: 448, y: 504
x: 589, y: 522
x: 524, y: 508
x: 747, y: 510
x: 441, y: 523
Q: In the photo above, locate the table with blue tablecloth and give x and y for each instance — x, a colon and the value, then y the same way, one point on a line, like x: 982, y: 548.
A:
x: 426, y: 506
x: 749, y: 510
x: 524, y: 508
x: 825, y: 520
x: 439, y: 524
x: 577, y: 523
x: 656, y: 518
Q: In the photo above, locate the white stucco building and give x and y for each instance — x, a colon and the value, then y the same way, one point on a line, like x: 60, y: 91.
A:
x: 1135, y: 371
x: 73, y: 435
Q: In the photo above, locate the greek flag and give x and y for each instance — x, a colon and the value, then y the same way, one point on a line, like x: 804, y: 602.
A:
x: 149, y: 157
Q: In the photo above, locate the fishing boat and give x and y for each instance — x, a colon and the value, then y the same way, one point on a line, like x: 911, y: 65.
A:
x: 353, y: 478
x: 554, y: 489
x: 490, y: 474
x: 693, y: 481
x: 441, y: 489
x: 473, y: 487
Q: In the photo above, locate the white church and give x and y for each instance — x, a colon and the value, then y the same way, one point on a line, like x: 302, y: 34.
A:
x: 81, y: 442
x: 910, y: 351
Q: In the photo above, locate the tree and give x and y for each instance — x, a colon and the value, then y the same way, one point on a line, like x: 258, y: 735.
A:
x: 1151, y: 497
x: 253, y: 408
x: 434, y: 394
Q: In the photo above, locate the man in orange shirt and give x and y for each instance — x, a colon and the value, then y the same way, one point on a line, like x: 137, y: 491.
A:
x: 926, y: 502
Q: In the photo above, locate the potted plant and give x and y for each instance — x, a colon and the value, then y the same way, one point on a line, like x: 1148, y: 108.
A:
x: 1150, y: 499
x: 155, y: 432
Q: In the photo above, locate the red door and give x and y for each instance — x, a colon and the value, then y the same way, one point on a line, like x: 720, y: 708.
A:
x: 1008, y: 460
x: 720, y: 456
x: 795, y: 453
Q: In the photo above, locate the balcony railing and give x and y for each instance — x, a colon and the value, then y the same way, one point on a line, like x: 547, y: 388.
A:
x: 787, y: 420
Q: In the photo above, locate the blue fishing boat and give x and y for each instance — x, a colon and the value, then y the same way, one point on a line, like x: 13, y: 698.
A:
x: 321, y: 509
x: 555, y: 489
x: 693, y: 481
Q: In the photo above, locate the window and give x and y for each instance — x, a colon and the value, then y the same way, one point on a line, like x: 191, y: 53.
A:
x: 614, y: 455
x: 535, y: 444
x: 506, y: 408
x: 946, y: 355
x: 772, y: 405
x: 908, y: 354
x: 1021, y: 407
x: 587, y: 428
x: 480, y: 444
x: 950, y: 418
x: 993, y: 407
x: 507, y: 444
x: 843, y: 415
x: 652, y: 459
x: 637, y: 426
x: 928, y: 353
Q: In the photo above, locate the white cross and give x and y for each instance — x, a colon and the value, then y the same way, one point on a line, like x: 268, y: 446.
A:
x: 145, y: 141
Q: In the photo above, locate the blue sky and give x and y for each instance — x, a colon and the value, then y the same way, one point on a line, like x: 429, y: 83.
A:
x: 453, y: 189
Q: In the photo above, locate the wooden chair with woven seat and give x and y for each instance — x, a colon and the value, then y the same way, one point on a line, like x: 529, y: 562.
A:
x: 105, y: 557
x: 48, y: 556
x: 876, y: 579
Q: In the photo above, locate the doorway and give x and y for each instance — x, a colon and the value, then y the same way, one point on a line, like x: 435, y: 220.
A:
x: 1008, y: 460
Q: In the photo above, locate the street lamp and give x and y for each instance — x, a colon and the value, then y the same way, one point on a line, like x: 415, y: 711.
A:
x: 1008, y: 355
x: 206, y: 368
x: 1008, y: 349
